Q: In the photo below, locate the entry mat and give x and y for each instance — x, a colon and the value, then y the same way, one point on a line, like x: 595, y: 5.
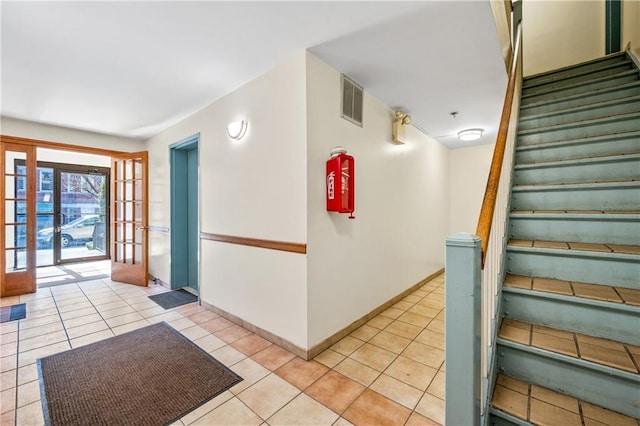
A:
x: 172, y: 299
x: 13, y: 312
x: 150, y: 376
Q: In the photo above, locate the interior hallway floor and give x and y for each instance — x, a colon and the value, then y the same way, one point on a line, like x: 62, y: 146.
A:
x: 387, y: 372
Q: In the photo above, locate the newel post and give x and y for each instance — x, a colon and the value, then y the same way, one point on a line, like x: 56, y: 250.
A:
x: 463, y: 329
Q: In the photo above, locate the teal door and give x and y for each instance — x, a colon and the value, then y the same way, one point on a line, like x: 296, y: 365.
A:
x: 193, y: 237
x: 185, y: 228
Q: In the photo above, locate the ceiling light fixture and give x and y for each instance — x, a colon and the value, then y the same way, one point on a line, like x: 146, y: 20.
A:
x: 470, y: 134
x: 237, y: 129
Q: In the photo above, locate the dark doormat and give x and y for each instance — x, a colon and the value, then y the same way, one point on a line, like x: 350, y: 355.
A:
x: 150, y: 376
x: 13, y: 312
x: 174, y: 298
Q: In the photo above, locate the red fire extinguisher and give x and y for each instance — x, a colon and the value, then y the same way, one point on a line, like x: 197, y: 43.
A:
x: 341, y: 182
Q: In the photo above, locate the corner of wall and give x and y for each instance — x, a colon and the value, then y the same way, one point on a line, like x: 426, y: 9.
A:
x: 396, y: 239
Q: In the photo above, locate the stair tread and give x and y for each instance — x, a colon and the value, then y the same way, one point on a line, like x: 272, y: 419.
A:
x: 622, y: 295
x: 583, y: 107
x: 610, y: 353
x: 579, y: 160
x: 577, y: 212
x: 539, y: 405
x: 578, y: 123
x: 578, y: 84
x: 576, y: 185
x: 578, y: 140
x: 527, y: 84
x: 574, y: 246
x: 581, y: 64
x: 601, y: 90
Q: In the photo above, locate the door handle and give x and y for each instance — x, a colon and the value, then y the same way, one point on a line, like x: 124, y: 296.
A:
x: 142, y: 228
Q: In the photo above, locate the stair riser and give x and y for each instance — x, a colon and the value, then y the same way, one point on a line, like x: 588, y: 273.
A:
x: 620, y: 271
x: 579, y: 130
x: 495, y: 420
x: 597, y: 387
x: 604, y: 171
x: 559, y: 75
x: 613, y: 231
x: 583, y: 88
x: 562, y: 151
x: 599, y: 321
x: 607, y: 198
x: 620, y: 107
x: 528, y: 89
x: 600, y: 96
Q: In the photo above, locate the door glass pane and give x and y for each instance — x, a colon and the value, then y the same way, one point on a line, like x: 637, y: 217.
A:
x: 16, y: 260
x: 15, y: 235
x: 128, y: 170
x: 44, y: 215
x: 83, y: 207
x: 10, y: 163
x: 138, y: 191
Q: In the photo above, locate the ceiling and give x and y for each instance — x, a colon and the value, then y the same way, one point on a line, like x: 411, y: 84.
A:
x: 135, y: 68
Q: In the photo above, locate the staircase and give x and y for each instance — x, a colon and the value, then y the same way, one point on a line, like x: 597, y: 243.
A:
x: 568, y: 347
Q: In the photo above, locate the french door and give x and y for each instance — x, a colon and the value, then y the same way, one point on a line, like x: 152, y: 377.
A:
x: 129, y: 223
x: 17, y: 220
x: 72, y: 216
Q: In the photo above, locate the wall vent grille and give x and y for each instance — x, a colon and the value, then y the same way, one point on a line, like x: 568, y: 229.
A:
x: 351, y: 100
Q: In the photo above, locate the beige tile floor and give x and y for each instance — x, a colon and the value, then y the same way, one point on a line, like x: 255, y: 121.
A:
x: 388, y: 372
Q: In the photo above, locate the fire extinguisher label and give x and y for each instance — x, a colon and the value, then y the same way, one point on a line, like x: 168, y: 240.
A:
x: 331, y: 185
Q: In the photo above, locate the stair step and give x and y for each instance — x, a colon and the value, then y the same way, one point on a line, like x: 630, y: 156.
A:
x: 609, y: 168
x: 627, y: 296
x: 581, y: 67
x: 601, y: 95
x: 600, y: 371
x: 581, y: 87
x: 577, y: 196
x: 612, y: 144
x: 579, y: 246
x: 577, y: 77
x: 616, y: 265
x: 565, y: 305
x: 621, y: 356
x: 535, y: 404
x: 600, y: 126
x: 620, y: 228
x: 602, y: 109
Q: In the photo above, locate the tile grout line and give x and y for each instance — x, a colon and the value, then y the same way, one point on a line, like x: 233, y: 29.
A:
x: 630, y: 355
x: 15, y: 403
x: 398, y: 356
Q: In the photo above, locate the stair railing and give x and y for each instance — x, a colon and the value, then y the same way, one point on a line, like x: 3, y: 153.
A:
x: 474, y: 273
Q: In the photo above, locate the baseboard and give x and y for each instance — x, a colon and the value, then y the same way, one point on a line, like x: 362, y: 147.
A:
x: 334, y: 338
x: 308, y: 354
x: 276, y: 340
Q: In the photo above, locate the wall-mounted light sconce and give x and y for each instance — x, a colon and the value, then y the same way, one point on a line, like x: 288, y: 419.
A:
x: 237, y: 129
x: 400, y: 119
x: 470, y: 134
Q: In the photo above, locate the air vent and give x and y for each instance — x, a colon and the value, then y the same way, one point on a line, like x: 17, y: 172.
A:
x: 351, y: 100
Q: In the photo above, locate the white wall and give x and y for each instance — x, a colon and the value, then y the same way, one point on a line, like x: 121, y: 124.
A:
x: 631, y: 24
x: 252, y: 188
x: 402, y: 201
x: 469, y: 169
x: 28, y: 129
x: 561, y: 33
x: 68, y: 157
x: 502, y: 18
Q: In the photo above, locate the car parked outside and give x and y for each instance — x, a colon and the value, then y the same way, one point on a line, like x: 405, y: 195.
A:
x: 77, y: 230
